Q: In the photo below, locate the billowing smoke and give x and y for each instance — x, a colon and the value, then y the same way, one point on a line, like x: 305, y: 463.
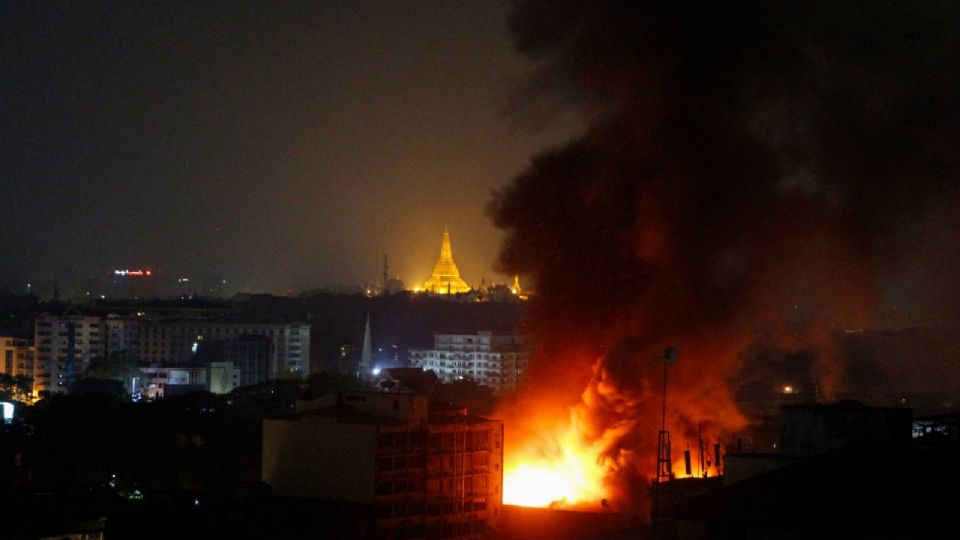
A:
x: 754, y: 177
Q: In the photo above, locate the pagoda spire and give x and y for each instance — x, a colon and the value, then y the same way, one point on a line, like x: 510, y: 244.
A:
x: 446, y: 276
x: 446, y: 252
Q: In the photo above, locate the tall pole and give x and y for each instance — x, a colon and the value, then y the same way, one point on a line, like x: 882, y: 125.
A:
x: 386, y: 276
x: 664, y: 473
x: 663, y: 418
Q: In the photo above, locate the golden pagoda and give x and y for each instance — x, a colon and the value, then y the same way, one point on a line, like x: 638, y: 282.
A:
x: 446, y: 277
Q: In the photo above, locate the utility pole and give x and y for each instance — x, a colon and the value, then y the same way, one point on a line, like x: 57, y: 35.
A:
x: 664, y: 464
x: 386, y: 276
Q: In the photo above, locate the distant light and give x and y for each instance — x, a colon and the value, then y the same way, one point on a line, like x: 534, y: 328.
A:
x: 193, y: 348
x: 416, y: 289
x: 132, y: 272
x: 788, y: 389
x: 375, y: 371
x: 7, y: 412
x: 103, y: 297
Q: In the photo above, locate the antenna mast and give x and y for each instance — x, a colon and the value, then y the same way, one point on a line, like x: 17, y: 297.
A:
x: 386, y: 276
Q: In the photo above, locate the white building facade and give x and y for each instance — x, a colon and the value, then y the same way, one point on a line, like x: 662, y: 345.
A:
x: 494, y: 360
x: 16, y: 356
x: 173, y: 342
x: 65, y: 346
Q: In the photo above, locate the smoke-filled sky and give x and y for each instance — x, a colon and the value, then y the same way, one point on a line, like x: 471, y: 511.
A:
x: 759, y: 155
x: 278, y: 144
x: 757, y: 177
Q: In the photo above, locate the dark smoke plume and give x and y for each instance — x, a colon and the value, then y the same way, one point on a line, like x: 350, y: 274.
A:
x: 754, y: 173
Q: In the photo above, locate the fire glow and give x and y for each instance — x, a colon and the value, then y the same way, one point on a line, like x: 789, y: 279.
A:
x: 565, y: 462
x: 557, y: 469
x: 600, y: 453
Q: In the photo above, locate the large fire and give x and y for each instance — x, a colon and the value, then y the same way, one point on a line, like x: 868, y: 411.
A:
x: 743, y: 220
x: 585, y: 457
x: 559, y: 468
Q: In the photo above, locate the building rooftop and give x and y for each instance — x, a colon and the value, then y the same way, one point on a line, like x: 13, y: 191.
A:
x: 889, y: 490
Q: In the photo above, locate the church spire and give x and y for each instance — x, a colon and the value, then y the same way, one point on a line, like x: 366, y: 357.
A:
x: 366, y: 355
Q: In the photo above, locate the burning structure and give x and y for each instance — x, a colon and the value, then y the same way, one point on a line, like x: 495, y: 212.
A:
x: 754, y: 177
x: 414, y: 469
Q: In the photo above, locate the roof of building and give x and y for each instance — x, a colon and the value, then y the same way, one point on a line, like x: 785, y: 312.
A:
x: 890, y: 490
x: 843, y: 405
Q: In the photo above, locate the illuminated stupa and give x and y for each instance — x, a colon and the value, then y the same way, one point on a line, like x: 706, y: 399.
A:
x: 446, y: 277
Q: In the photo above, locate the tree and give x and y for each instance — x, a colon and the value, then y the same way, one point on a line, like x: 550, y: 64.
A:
x: 15, y: 388
x: 23, y: 387
x: 118, y: 365
x: 319, y: 384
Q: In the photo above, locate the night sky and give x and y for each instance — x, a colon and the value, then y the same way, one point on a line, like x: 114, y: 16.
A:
x: 280, y: 145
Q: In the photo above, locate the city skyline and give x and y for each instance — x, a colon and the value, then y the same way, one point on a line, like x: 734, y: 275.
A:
x: 146, y: 282
x: 278, y: 147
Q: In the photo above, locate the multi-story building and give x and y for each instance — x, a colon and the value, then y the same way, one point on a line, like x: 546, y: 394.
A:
x: 16, y: 356
x: 164, y: 381
x: 123, y: 334
x: 249, y: 354
x: 160, y: 381
x: 176, y: 342
x: 422, y: 472
x: 65, y: 346
x: 495, y: 360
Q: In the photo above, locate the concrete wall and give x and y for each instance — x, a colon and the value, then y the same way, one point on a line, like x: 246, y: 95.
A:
x: 403, y: 407
x: 307, y: 458
x: 739, y: 467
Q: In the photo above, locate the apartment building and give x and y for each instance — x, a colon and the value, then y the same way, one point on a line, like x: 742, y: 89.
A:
x: 16, y: 356
x: 176, y: 342
x: 495, y: 360
x: 65, y: 346
x: 423, y: 472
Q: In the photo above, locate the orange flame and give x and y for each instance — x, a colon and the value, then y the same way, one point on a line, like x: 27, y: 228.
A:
x: 568, y: 464
x: 580, y: 457
x: 559, y: 468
